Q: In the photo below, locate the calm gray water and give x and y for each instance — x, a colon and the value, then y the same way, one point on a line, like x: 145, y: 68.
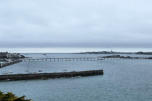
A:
x: 123, y: 80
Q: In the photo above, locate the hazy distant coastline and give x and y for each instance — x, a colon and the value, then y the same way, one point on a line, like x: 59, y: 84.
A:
x: 113, y: 52
x: 71, y: 50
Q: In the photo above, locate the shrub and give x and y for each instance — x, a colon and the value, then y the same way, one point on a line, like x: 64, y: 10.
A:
x: 11, y: 97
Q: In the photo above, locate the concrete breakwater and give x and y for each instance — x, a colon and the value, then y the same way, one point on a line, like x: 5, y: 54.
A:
x: 50, y: 75
x: 9, y: 63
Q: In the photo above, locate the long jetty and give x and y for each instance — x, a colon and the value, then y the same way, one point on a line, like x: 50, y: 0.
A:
x: 63, y: 59
x: 13, y: 77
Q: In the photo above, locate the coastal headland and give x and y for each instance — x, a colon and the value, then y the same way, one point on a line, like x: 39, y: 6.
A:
x: 7, y: 59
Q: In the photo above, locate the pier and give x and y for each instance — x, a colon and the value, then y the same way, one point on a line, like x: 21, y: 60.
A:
x: 63, y: 59
x: 13, y: 77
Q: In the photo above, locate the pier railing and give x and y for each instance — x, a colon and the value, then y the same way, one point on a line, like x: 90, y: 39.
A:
x: 63, y: 59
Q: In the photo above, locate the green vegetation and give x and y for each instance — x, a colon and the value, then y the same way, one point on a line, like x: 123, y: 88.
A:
x: 11, y: 97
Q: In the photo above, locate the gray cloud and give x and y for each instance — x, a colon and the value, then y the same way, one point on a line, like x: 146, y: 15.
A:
x: 75, y: 23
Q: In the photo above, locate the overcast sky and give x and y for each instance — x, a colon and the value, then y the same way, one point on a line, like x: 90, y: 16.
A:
x: 76, y: 23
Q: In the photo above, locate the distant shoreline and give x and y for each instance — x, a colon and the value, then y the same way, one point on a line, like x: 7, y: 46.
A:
x: 113, y: 52
x: 92, y: 52
x: 71, y: 50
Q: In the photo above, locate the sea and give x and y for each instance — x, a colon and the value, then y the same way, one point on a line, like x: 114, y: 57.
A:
x: 123, y: 79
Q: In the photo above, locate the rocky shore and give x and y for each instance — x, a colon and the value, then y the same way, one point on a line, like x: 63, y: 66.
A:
x: 125, y: 57
x: 7, y: 59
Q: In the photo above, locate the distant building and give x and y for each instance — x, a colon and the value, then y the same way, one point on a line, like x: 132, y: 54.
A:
x: 3, y: 54
x: 6, y: 55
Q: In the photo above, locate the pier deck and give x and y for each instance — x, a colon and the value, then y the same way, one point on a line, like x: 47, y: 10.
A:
x: 63, y: 59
